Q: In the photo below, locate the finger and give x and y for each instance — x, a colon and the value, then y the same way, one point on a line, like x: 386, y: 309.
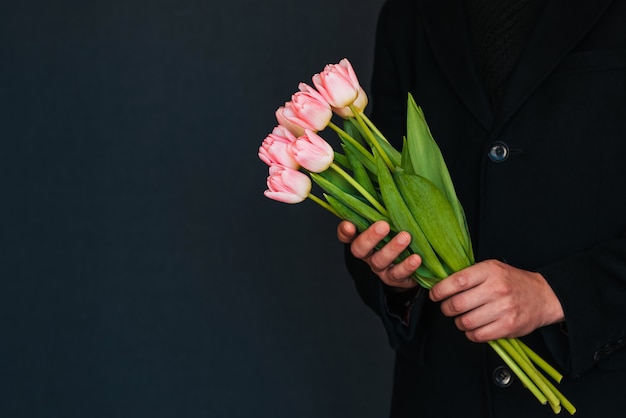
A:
x: 489, y: 332
x: 470, y: 300
x: 456, y: 283
x: 365, y: 242
x: 346, y: 231
x: 476, y: 318
x: 399, y: 275
x: 383, y: 258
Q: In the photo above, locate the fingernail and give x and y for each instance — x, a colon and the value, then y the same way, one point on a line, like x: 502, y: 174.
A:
x: 403, y: 238
x: 412, y: 262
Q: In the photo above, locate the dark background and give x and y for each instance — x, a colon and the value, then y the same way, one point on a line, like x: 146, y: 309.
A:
x: 143, y: 272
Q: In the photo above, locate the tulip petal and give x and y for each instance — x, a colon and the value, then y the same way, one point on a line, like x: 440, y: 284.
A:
x: 275, y: 148
x: 287, y: 185
x: 312, y: 152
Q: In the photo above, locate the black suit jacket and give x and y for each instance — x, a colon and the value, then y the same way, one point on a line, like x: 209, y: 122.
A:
x: 556, y: 205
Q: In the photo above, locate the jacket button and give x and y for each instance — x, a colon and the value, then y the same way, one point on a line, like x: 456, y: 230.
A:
x: 498, y: 152
x: 502, y: 377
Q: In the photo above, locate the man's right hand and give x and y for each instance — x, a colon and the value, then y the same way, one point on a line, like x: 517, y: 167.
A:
x: 363, y: 247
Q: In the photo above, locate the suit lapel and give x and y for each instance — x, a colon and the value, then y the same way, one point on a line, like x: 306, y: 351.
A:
x: 561, y: 25
x: 446, y: 27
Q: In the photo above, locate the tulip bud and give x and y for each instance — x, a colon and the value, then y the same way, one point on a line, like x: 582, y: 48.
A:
x: 287, y: 185
x: 294, y: 128
x: 312, y: 152
x: 338, y: 84
x: 275, y: 148
x: 306, y: 110
x: 360, y: 104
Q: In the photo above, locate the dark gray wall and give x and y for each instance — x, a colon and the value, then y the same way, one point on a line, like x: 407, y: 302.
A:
x: 143, y: 272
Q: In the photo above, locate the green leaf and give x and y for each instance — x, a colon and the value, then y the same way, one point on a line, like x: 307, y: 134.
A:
x: 348, y: 214
x: 360, y: 207
x: 435, y: 217
x: 422, y: 276
x: 360, y: 173
x: 403, y: 220
x: 406, y: 164
x: 369, y: 164
x: 392, y: 153
x: 425, y: 277
x: 342, y: 160
x: 428, y: 161
x: 350, y: 128
x: 337, y: 180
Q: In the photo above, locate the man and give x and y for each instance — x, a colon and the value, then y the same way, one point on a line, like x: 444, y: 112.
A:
x: 534, y: 135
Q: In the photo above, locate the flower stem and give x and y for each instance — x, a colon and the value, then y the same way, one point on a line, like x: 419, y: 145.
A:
x: 347, y: 137
x: 370, y: 136
x: 565, y: 403
x: 323, y: 204
x: 518, y: 371
x: 552, y: 372
x: 373, y: 127
x: 530, y: 371
x: 360, y: 188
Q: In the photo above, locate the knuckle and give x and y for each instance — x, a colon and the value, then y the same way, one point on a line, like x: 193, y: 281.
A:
x: 480, y: 336
x: 503, y: 288
x: 496, y: 268
x: 494, y: 264
x: 395, y: 275
x: 376, y: 264
x: 361, y: 248
x: 466, y: 322
x: 456, y: 305
x: 460, y: 281
x: 356, y: 249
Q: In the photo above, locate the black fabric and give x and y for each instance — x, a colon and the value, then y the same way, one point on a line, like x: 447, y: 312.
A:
x: 499, y: 30
x: 555, y: 206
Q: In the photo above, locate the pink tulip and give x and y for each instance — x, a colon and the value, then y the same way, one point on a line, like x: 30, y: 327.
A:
x: 287, y: 185
x: 360, y: 104
x: 283, y: 121
x: 306, y: 110
x: 338, y: 84
x: 276, y: 150
x: 312, y: 152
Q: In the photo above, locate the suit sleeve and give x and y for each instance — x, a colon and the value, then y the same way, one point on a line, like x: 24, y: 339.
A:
x: 592, y: 289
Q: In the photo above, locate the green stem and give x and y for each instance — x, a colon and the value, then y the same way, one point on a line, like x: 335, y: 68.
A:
x: 533, y: 357
x: 569, y: 407
x: 552, y: 372
x: 518, y: 371
x: 370, y: 136
x: 360, y: 189
x: 518, y: 348
x: 348, y: 138
x: 323, y: 204
x: 373, y: 127
x: 530, y: 371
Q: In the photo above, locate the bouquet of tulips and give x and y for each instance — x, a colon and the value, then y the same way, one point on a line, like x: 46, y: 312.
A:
x: 370, y: 181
